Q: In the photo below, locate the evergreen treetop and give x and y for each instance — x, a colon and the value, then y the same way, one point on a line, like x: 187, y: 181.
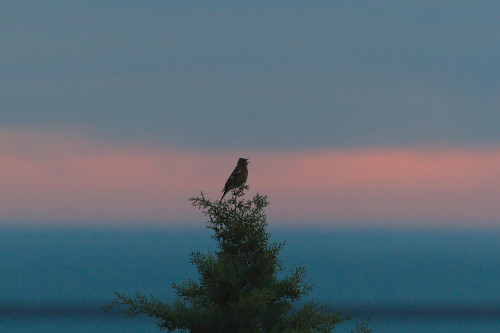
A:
x: 239, y: 288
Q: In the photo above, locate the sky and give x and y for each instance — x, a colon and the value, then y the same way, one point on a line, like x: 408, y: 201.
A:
x: 353, y: 113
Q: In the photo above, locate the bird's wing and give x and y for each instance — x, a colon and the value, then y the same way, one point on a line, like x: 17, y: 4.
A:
x: 234, y: 174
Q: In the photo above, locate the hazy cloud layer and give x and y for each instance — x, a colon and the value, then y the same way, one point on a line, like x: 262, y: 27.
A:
x: 66, y: 180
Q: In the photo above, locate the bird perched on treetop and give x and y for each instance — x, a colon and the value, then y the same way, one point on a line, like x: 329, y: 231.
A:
x: 238, y: 176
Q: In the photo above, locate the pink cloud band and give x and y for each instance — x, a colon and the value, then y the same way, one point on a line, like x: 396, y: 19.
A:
x: 61, y: 179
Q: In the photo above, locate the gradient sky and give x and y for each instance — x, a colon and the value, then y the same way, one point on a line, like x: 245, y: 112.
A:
x: 351, y: 112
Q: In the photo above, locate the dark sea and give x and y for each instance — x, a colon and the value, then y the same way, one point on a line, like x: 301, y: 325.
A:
x: 54, y: 279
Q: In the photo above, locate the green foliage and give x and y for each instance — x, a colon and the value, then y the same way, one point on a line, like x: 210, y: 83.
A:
x: 362, y: 326
x: 239, y: 289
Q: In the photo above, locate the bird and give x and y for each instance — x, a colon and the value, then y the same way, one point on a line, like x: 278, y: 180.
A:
x: 238, y: 177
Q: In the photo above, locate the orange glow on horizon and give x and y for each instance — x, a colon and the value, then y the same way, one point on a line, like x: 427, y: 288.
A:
x: 67, y: 180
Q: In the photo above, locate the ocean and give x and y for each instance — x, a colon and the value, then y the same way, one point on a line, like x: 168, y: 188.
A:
x: 444, y: 280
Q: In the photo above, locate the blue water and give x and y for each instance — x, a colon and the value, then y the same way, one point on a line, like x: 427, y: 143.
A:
x: 53, y: 280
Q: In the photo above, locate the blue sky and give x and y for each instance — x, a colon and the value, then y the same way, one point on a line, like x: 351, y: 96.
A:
x: 280, y: 75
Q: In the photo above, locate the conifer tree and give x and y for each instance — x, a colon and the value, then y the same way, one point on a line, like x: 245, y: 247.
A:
x: 240, y: 288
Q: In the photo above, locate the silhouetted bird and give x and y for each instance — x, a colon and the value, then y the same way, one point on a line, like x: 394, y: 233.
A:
x: 238, y: 177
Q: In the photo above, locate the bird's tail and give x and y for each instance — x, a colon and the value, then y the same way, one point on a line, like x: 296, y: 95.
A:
x: 223, y: 195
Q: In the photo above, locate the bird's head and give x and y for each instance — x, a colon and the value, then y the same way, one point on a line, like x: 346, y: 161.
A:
x: 243, y: 161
